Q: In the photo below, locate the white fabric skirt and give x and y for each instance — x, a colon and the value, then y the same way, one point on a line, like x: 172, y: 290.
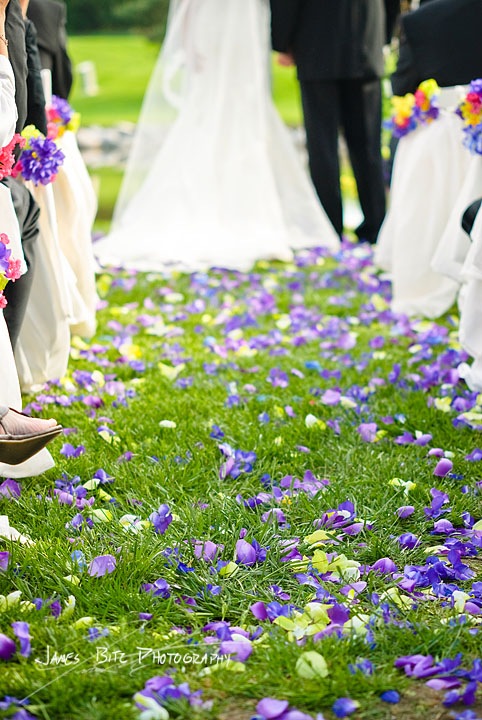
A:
x: 454, y: 244
x: 430, y: 167
x: 43, y: 346
x: 471, y: 308
x: 76, y: 207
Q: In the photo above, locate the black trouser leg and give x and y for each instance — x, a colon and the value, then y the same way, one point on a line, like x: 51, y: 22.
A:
x: 361, y: 111
x: 17, y: 293
x: 320, y: 109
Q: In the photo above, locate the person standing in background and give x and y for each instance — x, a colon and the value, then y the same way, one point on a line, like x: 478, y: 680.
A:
x: 337, y: 47
x: 49, y: 18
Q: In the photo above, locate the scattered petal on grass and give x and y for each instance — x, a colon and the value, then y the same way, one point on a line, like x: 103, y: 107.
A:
x: 22, y: 632
x: 311, y: 665
x: 390, y: 696
x: 245, y: 553
x: 405, y: 511
x: 161, y: 519
x: 344, y: 707
x: 368, y: 431
x: 10, y: 489
x: 170, y: 373
x: 474, y: 456
x: 70, y: 451
x: 102, y: 565
x: 7, y: 647
x: 239, y: 649
x: 443, y: 467
x: 101, y: 516
x: 271, y: 708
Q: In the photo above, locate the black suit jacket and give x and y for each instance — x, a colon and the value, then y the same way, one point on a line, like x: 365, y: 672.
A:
x: 35, y: 92
x: 440, y: 40
x: 49, y: 18
x: 334, y: 39
x: 17, y: 53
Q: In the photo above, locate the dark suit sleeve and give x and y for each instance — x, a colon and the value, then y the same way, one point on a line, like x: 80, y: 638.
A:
x: 15, y: 33
x: 35, y: 96
x: 62, y: 67
x: 405, y: 79
x: 392, y: 10
x: 284, y: 21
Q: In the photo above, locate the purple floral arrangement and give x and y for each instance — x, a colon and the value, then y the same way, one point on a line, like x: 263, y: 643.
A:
x: 470, y: 110
x: 40, y: 159
x: 413, y: 110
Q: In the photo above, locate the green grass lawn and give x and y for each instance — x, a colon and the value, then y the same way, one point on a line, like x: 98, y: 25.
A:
x: 263, y: 407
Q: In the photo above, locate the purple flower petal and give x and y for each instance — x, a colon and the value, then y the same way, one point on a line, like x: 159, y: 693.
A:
x: 443, y: 683
x: 409, y: 540
x: 390, y: 696
x: 206, y: 551
x: 259, y: 611
x: 70, y: 451
x: 22, y: 632
x: 331, y: 397
x: 161, y: 519
x: 368, y: 431
x: 405, y: 511
x: 245, y: 553
x: 294, y: 714
x: 343, y: 707
x: 384, y: 565
x: 474, y: 456
x: 23, y: 714
x: 10, y: 489
x: 443, y: 467
x: 7, y: 647
x: 270, y: 708
x: 240, y: 649
x: 102, y: 565
x: 444, y: 527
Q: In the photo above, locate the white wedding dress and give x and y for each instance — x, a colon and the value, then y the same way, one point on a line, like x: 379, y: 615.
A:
x: 213, y: 178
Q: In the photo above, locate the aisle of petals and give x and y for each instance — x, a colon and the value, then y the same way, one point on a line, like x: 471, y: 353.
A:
x: 267, y: 498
